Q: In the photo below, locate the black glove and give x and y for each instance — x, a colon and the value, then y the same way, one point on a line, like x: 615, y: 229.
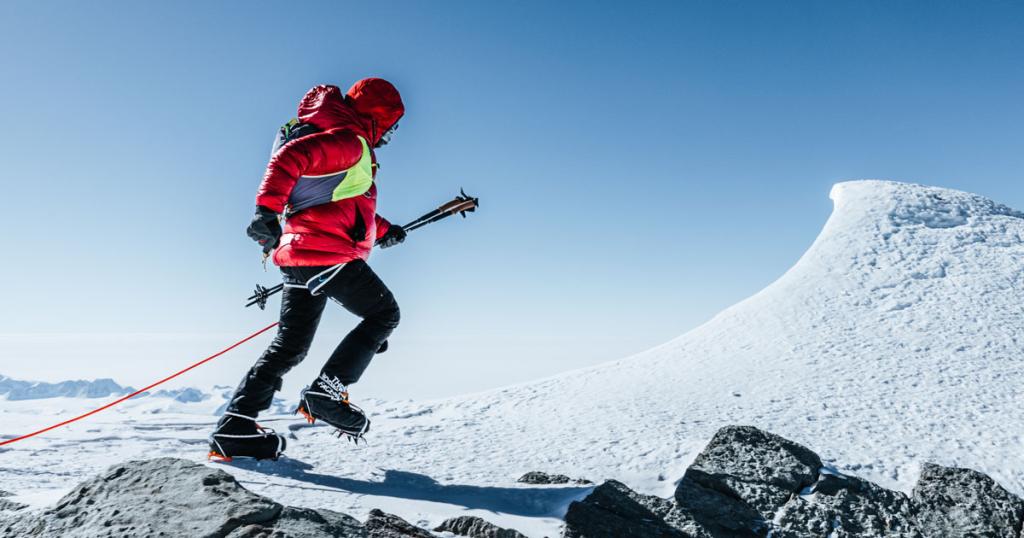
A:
x: 265, y: 229
x: 392, y: 237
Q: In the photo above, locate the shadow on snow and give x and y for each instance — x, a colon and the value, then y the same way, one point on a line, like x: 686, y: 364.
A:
x: 520, y: 501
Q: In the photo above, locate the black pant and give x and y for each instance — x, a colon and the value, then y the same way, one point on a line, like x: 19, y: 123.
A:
x: 355, y: 287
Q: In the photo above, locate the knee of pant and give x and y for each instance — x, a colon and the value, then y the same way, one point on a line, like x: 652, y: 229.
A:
x: 273, y: 367
x: 269, y: 379
x: 389, y: 316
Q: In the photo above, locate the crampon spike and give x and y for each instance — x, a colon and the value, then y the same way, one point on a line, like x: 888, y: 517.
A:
x: 351, y: 437
x: 304, y: 413
x: 218, y: 457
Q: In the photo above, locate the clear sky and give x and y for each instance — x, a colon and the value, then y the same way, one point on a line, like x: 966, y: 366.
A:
x: 641, y: 166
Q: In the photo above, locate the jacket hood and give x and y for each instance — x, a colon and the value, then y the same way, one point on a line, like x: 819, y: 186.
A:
x: 324, y: 107
x: 376, y: 100
x: 370, y: 108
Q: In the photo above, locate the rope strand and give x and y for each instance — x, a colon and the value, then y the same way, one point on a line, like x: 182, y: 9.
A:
x: 144, y: 389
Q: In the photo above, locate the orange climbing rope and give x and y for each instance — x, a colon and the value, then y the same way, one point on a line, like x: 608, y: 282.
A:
x: 144, y: 389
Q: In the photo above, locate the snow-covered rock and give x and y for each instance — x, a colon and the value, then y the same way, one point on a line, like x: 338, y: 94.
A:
x: 475, y: 527
x: 174, y: 497
x: 962, y: 502
x: 613, y: 510
x: 847, y: 506
x: 8, y: 505
x: 762, y: 469
x: 749, y: 483
x: 146, y: 498
x: 541, y: 478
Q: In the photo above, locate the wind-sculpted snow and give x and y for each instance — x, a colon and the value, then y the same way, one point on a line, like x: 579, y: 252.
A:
x: 894, y: 341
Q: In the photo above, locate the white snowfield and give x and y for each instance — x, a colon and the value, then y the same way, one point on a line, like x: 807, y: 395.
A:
x: 895, y: 340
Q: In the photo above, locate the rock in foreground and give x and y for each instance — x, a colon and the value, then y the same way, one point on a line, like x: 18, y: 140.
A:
x: 174, y: 497
x: 475, y: 527
x: 963, y: 502
x: 538, y: 478
x: 750, y: 483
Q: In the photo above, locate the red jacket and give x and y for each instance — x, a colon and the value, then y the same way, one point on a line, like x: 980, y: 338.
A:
x: 328, y: 234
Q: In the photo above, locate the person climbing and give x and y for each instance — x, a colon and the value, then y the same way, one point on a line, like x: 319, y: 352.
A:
x: 320, y: 179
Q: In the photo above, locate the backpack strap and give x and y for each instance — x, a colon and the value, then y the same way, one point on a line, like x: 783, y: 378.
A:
x: 291, y: 131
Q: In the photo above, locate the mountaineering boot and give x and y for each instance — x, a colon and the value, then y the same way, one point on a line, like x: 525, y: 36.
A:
x: 327, y: 400
x: 239, y: 435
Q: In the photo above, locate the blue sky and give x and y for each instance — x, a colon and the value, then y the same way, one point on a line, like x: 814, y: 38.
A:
x: 641, y: 165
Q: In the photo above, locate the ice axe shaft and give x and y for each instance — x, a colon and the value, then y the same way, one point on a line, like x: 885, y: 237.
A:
x: 461, y: 204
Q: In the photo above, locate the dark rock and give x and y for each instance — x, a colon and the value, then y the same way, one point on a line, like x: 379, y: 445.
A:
x: 384, y: 525
x: 542, y: 478
x: 740, y: 480
x: 613, y: 510
x: 706, y: 510
x: 962, y: 502
x: 146, y: 498
x: 748, y: 483
x: 759, y: 468
x: 173, y: 497
x: 475, y: 527
x: 11, y: 506
x: 304, y: 522
x: 844, y: 506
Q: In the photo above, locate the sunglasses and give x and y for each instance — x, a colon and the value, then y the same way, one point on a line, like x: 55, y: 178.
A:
x: 386, y: 137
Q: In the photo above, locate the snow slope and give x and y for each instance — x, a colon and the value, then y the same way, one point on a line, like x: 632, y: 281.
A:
x: 895, y: 340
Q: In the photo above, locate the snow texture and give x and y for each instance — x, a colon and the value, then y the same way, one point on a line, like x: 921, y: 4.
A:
x: 894, y: 341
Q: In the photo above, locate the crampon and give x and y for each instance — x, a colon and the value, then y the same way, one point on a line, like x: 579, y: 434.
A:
x: 349, y: 421
x: 240, y: 436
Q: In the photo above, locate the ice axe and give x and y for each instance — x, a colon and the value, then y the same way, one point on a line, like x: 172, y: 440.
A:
x: 460, y: 205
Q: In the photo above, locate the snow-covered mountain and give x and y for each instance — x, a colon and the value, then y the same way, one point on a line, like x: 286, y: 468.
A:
x: 894, y: 341
x: 898, y: 338
x: 13, y: 389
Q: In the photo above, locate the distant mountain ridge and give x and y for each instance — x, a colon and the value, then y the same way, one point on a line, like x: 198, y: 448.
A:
x: 15, y: 389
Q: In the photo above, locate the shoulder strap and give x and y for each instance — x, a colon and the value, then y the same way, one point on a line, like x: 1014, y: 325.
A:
x: 291, y: 131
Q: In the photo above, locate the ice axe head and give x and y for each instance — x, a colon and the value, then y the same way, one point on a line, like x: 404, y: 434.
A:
x: 466, y: 203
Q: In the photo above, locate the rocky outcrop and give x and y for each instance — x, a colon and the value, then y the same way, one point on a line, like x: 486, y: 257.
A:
x: 541, y: 478
x: 298, y: 522
x: 745, y: 483
x: 145, y: 498
x: 613, y: 510
x: 750, y: 483
x: 847, y: 506
x: 174, y: 497
x: 7, y: 505
x: 384, y: 525
x: 962, y: 502
x: 759, y: 469
x: 475, y: 527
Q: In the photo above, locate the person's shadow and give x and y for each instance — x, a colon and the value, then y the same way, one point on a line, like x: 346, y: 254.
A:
x: 546, y: 501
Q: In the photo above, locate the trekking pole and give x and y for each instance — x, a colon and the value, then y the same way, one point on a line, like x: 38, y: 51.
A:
x: 461, y: 204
